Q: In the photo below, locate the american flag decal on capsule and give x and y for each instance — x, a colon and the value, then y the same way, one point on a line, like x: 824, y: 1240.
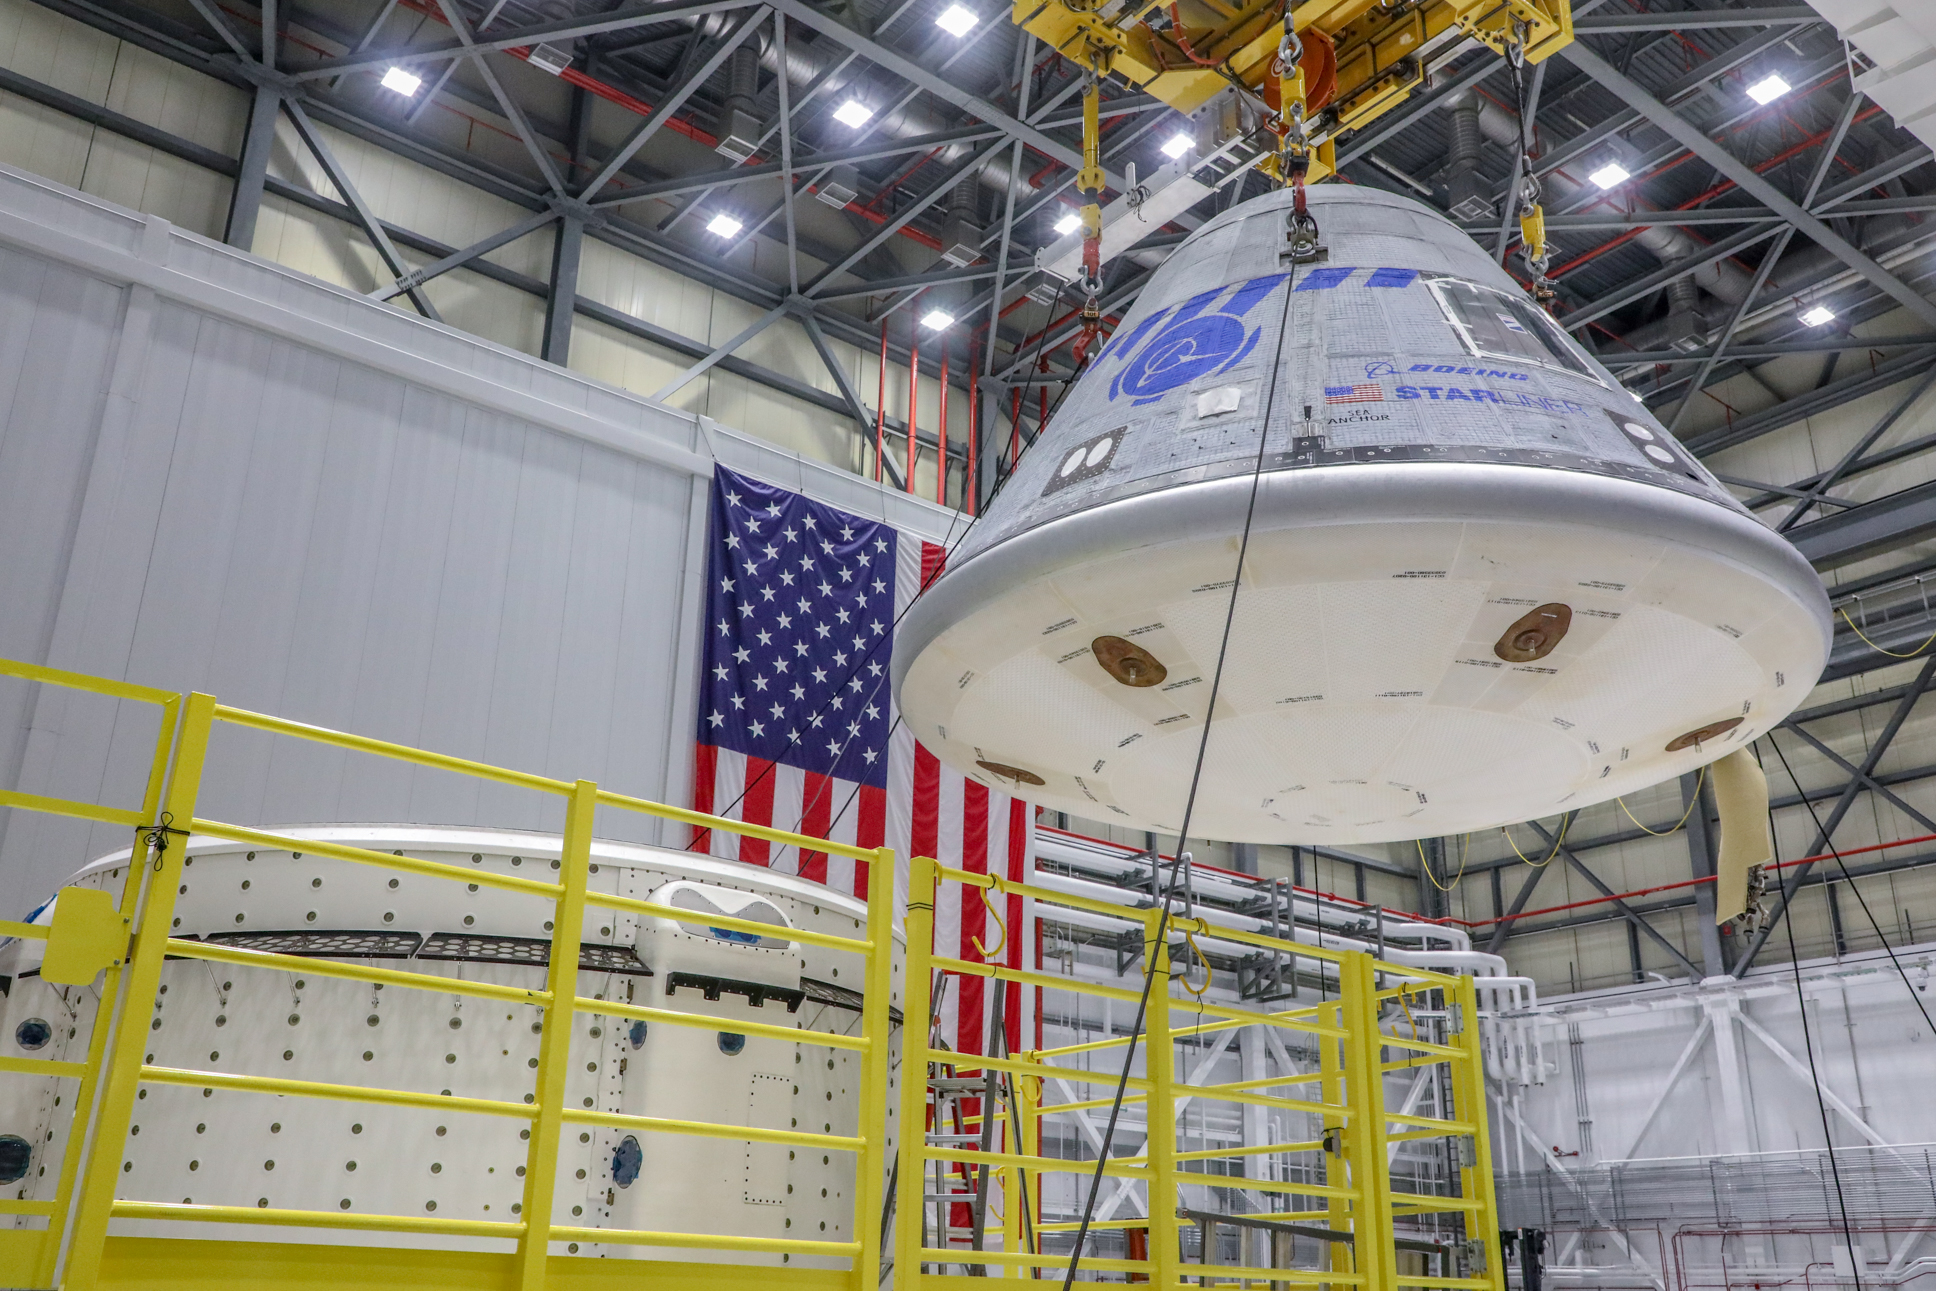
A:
x: 1363, y: 392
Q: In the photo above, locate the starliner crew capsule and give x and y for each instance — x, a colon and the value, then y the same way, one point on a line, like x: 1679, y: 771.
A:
x: 1483, y: 583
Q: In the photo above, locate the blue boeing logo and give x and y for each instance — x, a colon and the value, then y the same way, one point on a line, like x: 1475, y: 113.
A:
x: 1193, y: 341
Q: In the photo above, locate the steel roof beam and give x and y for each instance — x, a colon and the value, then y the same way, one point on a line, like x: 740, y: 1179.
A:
x: 1696, y: 20
x: 938, y: 86
x: 1775, y: 349
x: 1696, y: 140
x: 1893, y: 520
x: 562, y: 30
x: 730, y: 176
x: 1815, y: 402
x: 1661, y: 277
x: 1799, y: 875
x: 664, y: 110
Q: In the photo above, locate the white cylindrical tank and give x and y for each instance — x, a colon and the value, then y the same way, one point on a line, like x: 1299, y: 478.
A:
x: 225, y: 1147
x: 1483, y: 583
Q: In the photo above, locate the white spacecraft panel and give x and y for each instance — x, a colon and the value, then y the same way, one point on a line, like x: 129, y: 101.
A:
x: 215, y: 1146
x: 1435, y: 461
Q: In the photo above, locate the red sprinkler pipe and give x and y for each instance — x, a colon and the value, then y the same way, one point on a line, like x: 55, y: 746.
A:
x: 880, y: 412
x: 914, y: 406
x: 941, y: 467
x: 970, y: 483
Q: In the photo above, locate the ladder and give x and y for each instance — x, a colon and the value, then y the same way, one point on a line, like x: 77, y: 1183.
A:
x: 965, y: 1110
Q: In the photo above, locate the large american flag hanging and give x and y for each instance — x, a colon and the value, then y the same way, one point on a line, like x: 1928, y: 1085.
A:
x: 798, y: 730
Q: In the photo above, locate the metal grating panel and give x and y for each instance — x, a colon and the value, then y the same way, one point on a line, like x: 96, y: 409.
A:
x: 332, y: 944
x: 487, y: 949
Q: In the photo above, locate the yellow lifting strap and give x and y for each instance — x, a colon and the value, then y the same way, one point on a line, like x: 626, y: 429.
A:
x: 1741, y: 801
x: 1532, y: 232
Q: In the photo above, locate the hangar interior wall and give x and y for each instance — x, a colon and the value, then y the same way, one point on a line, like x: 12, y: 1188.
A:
x: 219, y: 474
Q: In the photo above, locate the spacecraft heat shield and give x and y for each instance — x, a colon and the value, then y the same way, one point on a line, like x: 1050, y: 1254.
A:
x: 1483, y: 582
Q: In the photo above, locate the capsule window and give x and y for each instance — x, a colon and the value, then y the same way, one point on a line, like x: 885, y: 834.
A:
x: 1499, y: 325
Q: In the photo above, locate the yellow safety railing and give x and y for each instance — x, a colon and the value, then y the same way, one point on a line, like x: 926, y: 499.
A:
x: 34, y: 1253
x: 1359, y: 1132
x: 116, y: 1068
x: 1357, y: 1052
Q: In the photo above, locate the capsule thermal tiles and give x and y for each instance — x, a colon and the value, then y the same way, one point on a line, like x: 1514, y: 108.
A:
x: 1483, y: 583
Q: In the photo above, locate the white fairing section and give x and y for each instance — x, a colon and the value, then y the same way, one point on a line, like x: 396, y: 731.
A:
x: 1899, y: 37
x: 229, y: 1148
x: 1419, y: 493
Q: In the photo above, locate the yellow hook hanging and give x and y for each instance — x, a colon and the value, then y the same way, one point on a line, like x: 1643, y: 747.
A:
x: 1209, y: 974
x: 996, y: 915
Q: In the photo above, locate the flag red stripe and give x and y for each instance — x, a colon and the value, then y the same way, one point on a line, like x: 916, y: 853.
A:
x: 756, y: 808
x: 705, y: 770
x: 872, y: 831
x: 816, y: 817
x: 974, y: 916
x: 924, y: 838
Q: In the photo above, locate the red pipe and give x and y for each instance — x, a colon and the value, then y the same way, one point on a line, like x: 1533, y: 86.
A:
x: 880, y: 412
x: 970, y: 475
x: 941, y: 467
x: 914, y: 406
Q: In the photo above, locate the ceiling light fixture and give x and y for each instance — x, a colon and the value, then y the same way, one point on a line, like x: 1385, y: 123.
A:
x: 1179, y: 144
x: 1611, y: 175
x: 1817, y: 315
x: 724, y: 226
x: 402, y: 81
x: 1068, y: 224
x: 853, y: 114
x: 957, y: 20
x: 1768, y: 89
x: 937, y: 319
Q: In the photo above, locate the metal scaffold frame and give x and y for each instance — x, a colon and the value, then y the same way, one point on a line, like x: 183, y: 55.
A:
x: 125, y: 944
x: 1356, y: 1141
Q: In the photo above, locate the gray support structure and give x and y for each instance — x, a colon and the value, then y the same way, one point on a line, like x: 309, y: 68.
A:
x: 1695, y: 795
x: 1627, y: 912
x: 245, y: 202
x: 1799, y: 875
x: 1696, y: 141
x: 561, y: 303
x: 365, y: 217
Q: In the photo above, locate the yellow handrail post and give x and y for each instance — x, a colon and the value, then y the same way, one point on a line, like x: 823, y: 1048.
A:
x: 554, y: 1047
x: 1331, y: 1092
x: 1159, y: 1064
x: 915, y: 1002
x: 85, y: 1094
x: 1371, y: 1209
x: 1027, y: 1203
x: 124, y: 1057
x: 1469, y: 1105
x: 870, y: 1165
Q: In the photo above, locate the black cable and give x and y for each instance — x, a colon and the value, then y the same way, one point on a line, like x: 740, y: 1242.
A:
x: 1821, y: 1104
x: 1183, y: 833
x: 1914, y: 995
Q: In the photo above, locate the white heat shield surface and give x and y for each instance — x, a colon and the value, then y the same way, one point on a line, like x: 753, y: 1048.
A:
x: 1439, y: 460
